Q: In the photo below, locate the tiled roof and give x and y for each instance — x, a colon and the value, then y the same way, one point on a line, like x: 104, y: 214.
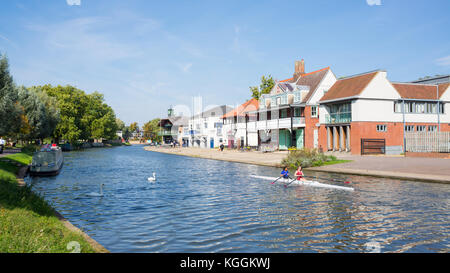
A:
x: 312, y: 80
x: 420, y: 91
x: 248, y: 106
x: 349, y: 87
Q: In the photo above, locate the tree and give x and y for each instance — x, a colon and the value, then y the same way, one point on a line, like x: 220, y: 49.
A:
x: 267, y: 83
x: 151, y: 130
x: 134, y: 127
x: 10, y: 112
x: 120, y: 125
x: 40, y: 114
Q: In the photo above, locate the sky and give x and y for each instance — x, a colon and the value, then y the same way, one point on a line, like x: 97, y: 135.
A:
x: 145, y: 56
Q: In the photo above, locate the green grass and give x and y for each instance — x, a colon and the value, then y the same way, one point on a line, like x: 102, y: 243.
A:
x: 337, y: 161
x: 27, y: 222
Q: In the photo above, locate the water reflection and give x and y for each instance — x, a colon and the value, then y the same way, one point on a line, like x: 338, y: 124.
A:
x: 200, y: 205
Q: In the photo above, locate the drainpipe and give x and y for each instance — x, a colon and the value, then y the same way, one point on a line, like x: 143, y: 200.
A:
x: 292, y: 127
x: 438, y: 109
x: 404, y: 124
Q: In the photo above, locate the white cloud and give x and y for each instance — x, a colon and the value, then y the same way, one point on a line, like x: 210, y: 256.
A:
x: 73, y: 2
x: 373, y: 2
x: 185, y: 67
x: 444, y: 61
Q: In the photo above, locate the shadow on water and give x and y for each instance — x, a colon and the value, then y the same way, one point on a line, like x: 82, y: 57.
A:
x: 200, y: 205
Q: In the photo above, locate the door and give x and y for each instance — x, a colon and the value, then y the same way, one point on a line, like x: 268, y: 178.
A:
x: 299, y: 136
x: 285, y: 139
x: 211, y: 143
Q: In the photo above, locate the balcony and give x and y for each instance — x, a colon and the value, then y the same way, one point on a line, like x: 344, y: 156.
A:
x: 338, y: 118
x: 167, y: 133
x: 298, y: 121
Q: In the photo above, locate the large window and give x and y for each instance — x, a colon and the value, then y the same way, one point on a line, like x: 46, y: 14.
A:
x: 418, y: 107
x: 283, y: 113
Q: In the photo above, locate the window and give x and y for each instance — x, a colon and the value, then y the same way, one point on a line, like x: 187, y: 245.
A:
x: 421, y: 128
x: 432, y: 128
x: 314, y: 111
x: 297, y: 112
x: 278, y: 101
x: 409, y: 128
x: 382, y: 128
x: 283, y: 113
x: 206, y: 125
x: 213, y: 114
x: 397, y: 107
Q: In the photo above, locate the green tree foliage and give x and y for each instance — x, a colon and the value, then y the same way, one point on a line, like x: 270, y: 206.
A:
x: 120, y: 125
x: 151, y: 130
x: 40, y: 114
x: 10, y: 111
x: 83, y: 116
x: 267, y: 83
x: 134, y: 127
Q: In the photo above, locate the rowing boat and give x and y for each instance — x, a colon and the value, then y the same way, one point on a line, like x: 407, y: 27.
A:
x: 305, y: 183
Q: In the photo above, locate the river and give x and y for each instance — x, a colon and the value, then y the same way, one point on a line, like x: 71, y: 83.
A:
x: 201, y: 205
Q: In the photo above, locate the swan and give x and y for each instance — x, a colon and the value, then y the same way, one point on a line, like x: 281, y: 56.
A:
x: 151, y: 179
x: 96, y: 194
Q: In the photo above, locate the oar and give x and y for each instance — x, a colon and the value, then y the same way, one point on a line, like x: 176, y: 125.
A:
x: 276, y: 180
x: 329, y: 179
x: 286, y: 185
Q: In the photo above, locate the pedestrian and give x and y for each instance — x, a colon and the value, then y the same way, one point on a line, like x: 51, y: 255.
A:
x: 222, y: 147
x: 2, y: 145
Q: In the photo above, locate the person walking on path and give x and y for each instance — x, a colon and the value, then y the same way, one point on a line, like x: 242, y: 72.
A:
x: 2, y: 145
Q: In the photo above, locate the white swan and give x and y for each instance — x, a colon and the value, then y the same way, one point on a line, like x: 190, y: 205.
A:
x: 96, y: 194
x: 151, y: 179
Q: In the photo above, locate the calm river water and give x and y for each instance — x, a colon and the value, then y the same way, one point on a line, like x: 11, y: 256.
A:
x: 200, y: 205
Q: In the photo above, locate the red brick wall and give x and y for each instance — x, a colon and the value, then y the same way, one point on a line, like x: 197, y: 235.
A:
x: 310, y: 126
x: 393, y: 136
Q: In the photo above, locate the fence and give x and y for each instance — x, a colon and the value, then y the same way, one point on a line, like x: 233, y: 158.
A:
x: 428, y: 142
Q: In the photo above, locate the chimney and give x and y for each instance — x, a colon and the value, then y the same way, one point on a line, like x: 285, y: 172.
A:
x: 299, y: 69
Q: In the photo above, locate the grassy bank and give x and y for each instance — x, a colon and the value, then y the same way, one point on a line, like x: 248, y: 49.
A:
x: 27, y: 221
x: 309, y: 158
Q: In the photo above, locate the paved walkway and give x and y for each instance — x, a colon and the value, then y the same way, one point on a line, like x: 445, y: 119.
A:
x: 399, y: 167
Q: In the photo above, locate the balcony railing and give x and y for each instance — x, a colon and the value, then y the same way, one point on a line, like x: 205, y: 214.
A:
x: 167, y: 133
x: 338, y: 118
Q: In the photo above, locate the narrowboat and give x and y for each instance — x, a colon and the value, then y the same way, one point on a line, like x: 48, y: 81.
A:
x: 47, y: 161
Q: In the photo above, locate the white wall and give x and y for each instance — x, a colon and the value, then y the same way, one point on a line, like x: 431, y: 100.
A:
x: 327, y: 82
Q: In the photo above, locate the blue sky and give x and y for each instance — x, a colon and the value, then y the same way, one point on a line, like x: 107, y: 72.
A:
x: 146, y: 55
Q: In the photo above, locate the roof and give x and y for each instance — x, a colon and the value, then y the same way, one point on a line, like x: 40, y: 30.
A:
x: 312, y: 79
x: 436, y: 79
x: 349, y: 87
x: 218, y: 111
x: 248, y: 106
x: 420, y: 91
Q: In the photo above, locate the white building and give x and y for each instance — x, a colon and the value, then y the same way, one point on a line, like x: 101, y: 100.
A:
x: 206, y: 128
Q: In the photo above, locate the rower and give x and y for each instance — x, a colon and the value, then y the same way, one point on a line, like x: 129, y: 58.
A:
x: 285, y: 173
x: 299, y: 174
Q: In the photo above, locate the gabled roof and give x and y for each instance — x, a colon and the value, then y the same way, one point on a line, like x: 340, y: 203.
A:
x: 214, y: 112
x: 312, y: 79
x: 420, y: 91
x: 248, y: 106
x: 349, y: 87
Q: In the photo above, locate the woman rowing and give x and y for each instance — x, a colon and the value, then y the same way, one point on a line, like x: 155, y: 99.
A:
x: 299, y: 174
x: 285, y: 173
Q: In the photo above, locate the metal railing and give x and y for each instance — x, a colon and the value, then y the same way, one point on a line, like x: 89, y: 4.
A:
x: 338, y: 118
x: 428, y: 142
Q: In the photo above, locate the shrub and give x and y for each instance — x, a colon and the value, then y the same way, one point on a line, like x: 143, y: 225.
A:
x: 306, y: 158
